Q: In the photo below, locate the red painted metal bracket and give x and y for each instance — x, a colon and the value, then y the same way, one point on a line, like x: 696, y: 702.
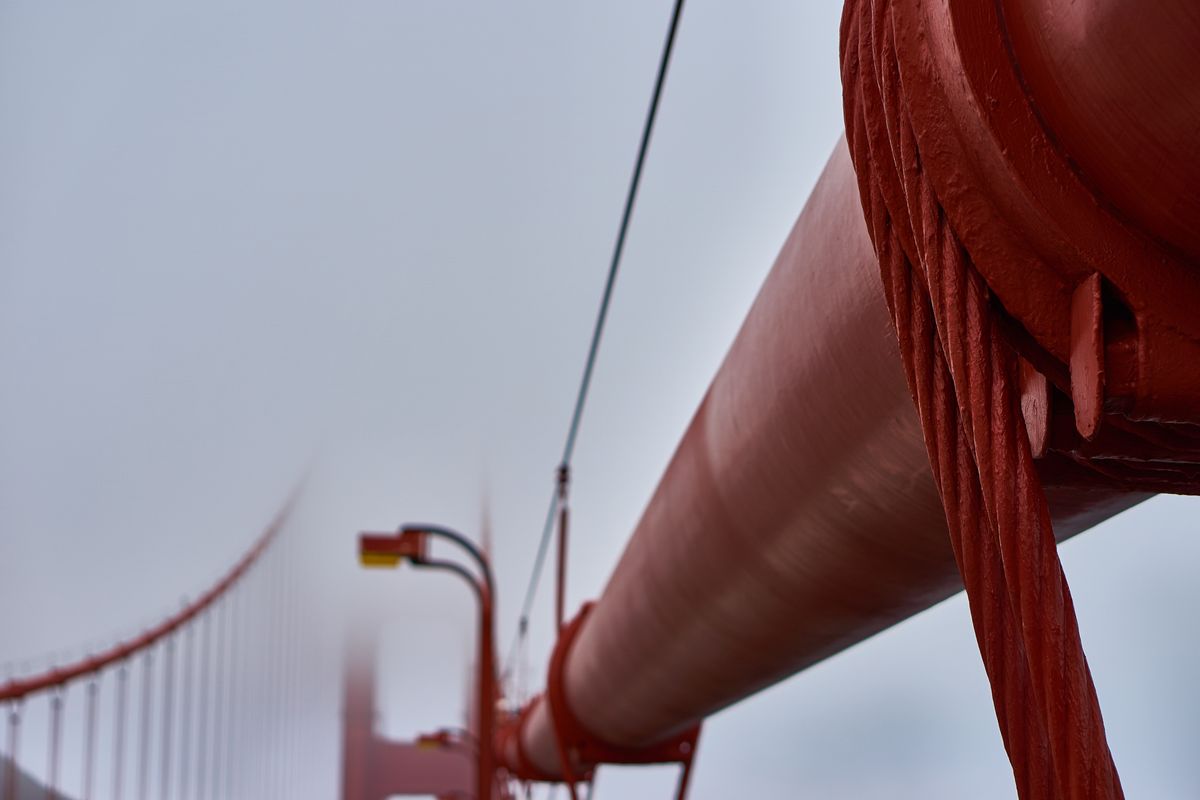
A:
x: 580, y: 751
x: 1058, y: 255
x: 1087, y: 356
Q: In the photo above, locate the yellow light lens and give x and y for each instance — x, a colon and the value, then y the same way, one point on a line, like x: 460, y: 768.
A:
x: 379, y: 560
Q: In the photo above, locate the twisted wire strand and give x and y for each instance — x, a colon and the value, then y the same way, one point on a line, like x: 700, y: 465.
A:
x: 961, y: 372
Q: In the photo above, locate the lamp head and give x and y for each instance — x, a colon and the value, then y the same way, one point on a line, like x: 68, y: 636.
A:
x: 387, y: 550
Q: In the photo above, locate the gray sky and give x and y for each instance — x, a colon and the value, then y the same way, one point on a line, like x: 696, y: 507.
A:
x: 239, y: 240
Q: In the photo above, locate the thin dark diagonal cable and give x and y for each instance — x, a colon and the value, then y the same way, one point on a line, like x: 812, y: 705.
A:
x: 601, y: 318
x: 619, y: 247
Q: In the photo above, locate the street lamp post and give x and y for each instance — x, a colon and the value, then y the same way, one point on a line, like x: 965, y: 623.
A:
x: 411, y: 543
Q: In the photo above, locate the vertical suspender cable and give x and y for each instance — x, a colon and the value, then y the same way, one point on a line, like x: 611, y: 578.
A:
x: 285, y: 670
x: 119, y: 732
x: 185, y: 710
x: 267, y: 671
x: 235, y: 724
x: 14, y: 734
x: 262, y: 653
x: 222, y: 614
x: 262, y: 707
x: 256, y: 657
x: 293, y: 669
x: 275, y: 785
x: 202, y: 708
x: 301, y: 662
x: 287, y: 751
x: 144, y: 735
x: 262, y: 660
x: 56, y: 707
x: 285, y: 674
x: 167, y: 721
x: 89, y: 737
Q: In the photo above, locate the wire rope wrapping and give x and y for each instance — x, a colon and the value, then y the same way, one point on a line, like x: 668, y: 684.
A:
x: 963, y: 375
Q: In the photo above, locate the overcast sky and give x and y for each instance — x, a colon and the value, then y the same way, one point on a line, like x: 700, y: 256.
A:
x: 240, y: 241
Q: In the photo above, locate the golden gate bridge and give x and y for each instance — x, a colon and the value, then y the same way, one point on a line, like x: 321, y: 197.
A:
x: 979, y: 339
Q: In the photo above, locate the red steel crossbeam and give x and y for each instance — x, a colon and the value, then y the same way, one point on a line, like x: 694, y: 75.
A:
x: 20, y: 687
x: 375, y: 767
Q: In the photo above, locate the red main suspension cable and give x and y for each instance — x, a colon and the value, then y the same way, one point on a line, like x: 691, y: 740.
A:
x: 60, y: 676
x: 56, y: 681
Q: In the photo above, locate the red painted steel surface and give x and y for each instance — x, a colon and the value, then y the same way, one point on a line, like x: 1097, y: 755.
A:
x: 58, y: 676
x: 1020, y: 247
x: 1100, y: 304
x: 1015, y: 110
x: 1115, y: 84
x: 797, y: 517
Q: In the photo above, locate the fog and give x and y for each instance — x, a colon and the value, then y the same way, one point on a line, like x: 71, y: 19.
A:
x: 244, y: 243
